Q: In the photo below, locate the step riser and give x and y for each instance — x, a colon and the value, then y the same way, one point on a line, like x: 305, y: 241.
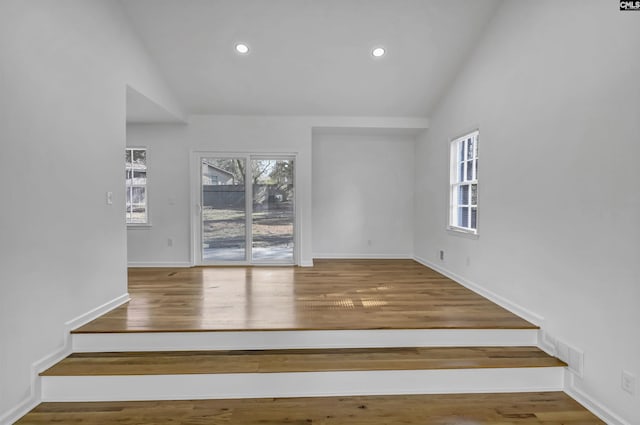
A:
x: 264, y: 340
x: 307, y: 384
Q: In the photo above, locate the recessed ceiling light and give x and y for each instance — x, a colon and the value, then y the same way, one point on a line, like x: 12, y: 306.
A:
x: 242, y: 48
x: 378, y: 52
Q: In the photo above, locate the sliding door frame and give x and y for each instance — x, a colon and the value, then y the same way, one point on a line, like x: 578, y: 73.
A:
x: 195, y: 215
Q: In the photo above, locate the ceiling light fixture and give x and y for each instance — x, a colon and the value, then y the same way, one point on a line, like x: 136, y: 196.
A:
x: 378, y: 52
x: 242, y: 48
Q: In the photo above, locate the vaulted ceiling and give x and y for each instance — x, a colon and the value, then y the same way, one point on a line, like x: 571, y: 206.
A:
x: 310, y: 57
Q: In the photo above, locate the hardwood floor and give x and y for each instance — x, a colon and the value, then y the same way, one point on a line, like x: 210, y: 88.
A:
x: 272, y: 361
x: 553, y: 408
x: 335, y: 294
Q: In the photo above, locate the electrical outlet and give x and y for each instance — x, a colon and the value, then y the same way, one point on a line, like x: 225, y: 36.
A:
x: 441, y: 255
x: 628, y: 382
x: 109, y: 198
x: 170, y: 242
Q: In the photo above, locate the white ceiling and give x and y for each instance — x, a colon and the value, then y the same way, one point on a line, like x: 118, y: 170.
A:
x: 309, y: 57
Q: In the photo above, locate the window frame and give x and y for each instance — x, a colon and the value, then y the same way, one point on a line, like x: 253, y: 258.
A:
x: 147, y: 222
x: 458, y: 177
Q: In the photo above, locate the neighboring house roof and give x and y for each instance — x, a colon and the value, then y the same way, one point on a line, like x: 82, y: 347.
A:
x: 220, y: 170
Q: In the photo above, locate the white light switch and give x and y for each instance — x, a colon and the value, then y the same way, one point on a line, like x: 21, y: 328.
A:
x: 628, y: 382
x: 109, y: 198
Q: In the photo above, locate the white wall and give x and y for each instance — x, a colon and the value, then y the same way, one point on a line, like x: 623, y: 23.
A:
x: 168, y: 196
x: 362, y: 189
x: 170, y: 147
x: 169, y: 176
x: 554, y: 89
x: 64, y: 67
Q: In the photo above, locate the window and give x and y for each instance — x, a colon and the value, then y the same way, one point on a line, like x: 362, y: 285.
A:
x: 463, y: 199
x: 136, y: 183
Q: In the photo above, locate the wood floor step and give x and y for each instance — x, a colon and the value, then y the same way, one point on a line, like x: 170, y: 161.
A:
x: 334, y: 294
x: 307, y: 360
x: 553, y: 408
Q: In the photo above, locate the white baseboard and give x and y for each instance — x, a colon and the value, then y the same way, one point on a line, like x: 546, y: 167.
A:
x: 306, y: 263
x: 547, y: 343
x: 594, y: 406
x: 363, y: 256
x: 20, y: 410
x: 50, y: 359
x: 526, y: 314
x: 159, y: 264
x: 96, y: 312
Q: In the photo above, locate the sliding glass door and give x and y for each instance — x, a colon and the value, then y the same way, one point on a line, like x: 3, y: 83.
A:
x: 223, y: 209
x: 247, y: 212
x: 272, y: 215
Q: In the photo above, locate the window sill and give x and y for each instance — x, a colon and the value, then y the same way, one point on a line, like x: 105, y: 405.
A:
x: 461, y: 233
x: 141, y: 226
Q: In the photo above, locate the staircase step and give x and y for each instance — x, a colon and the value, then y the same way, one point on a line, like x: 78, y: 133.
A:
x: 553, y: 408
x: 302, y: 373
x: 309, y: 360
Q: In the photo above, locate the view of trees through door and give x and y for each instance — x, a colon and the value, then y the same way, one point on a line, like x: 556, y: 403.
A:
x: 230, y: 223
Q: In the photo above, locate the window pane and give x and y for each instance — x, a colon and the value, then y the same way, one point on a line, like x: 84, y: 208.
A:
x: 273, y: 210
x: 140, y: 156
x: 223, y: 209
x: 463, y: 195
x: 138, y: 216
x: 136, y: 205
x: 139, y: 195
x: 140, y: 177
x: 474, y: 218
x: 463, y: 217
x: 136, y: 180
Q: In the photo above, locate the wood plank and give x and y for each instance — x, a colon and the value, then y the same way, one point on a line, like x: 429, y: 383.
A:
x: 334, y: 294
x: 309, y: 360
x: 553, y: 408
